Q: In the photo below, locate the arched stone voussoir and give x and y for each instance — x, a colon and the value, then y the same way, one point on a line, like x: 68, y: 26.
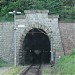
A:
x: 21, y: 40
x: 46, y: 30
x: 36, y: 25
x: 49, y: 34
x: 22, y: 36
x: 26, y: 30
x: 33, y: 26
x: 43, y: 27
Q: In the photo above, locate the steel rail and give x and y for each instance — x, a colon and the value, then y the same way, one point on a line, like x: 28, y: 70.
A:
x: 32, y: 67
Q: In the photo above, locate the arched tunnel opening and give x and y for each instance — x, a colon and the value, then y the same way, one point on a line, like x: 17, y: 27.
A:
x: 36, y: 47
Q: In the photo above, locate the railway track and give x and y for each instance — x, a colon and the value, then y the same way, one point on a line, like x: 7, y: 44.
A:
x: 32, y: 70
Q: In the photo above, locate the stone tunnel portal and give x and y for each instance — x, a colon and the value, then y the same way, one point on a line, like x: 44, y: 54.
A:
x: 36, y: 47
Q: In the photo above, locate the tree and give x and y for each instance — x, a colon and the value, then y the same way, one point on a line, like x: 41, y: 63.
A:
x: 68, y: 2
x: 61, y: 7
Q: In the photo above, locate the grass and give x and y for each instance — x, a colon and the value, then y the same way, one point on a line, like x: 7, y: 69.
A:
x: 65, y: 65
x: 46, y: 69
x: 45, y: 72
x: 6, y: 19
x: 3, y: 63
x: 13, y: 71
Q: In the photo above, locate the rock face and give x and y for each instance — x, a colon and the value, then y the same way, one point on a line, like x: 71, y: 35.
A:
x: 24, y: 23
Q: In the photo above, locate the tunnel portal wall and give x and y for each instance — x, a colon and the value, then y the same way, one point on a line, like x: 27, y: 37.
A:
x: 24, y: 23
x: 38, y: 19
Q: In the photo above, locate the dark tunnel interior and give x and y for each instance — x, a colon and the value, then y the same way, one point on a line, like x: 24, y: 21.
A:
x: 36, y: 47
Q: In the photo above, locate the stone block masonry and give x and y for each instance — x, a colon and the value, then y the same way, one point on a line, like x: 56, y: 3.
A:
x: 24, y: 23
x: 67, y: 31
x: 6, y: 41
x: 38, y: 19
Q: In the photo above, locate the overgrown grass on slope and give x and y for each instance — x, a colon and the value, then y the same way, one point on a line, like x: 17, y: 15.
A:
x: 3, y: 63
x: 13, y: 71
x: 65, y: 65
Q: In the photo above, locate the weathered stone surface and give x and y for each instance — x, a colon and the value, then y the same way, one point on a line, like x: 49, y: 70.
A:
x: 67, y: 31
x: 6, y: 43
x: 31, y: 19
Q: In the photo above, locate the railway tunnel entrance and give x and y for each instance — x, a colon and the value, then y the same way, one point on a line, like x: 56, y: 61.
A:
x: 36, y: 47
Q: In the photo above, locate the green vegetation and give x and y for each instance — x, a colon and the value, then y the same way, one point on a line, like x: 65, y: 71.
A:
x: 3, y: 63
x: 45, y: 72
x: 65, y: 8
x: 13, y: 71
x: 65, y: 65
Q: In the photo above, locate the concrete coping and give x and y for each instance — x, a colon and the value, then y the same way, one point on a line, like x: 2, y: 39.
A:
x: 53, y: 16
x: 36, y: 11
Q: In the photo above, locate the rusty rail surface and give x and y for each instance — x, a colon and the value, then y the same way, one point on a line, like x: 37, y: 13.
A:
x: 32, y: 70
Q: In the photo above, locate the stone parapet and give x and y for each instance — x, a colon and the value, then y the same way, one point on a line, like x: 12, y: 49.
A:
x: 36, y: 11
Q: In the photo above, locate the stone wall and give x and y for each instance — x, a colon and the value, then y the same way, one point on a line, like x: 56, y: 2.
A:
x: 6, y: 41
x: 67, y: 31
x: 38, y: 19
x: 24, y: 23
